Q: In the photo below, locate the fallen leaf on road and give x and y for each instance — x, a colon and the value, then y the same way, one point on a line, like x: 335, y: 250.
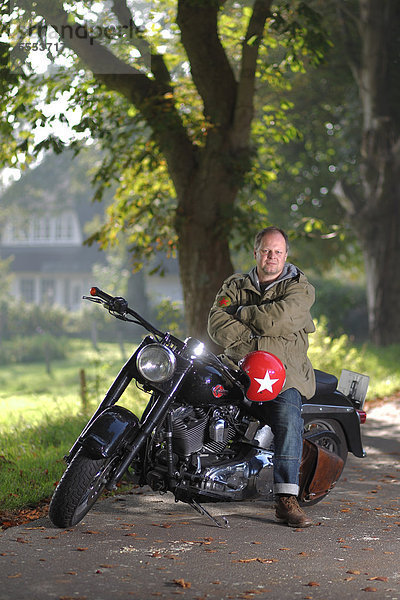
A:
x: 369, y: 589
x: 14, y: 576
x: 353, y: 572
x: 182, y: 583
x: 312, y: 584
x: 377, y: 579
x: 261, y: 560
x: 81, y: 549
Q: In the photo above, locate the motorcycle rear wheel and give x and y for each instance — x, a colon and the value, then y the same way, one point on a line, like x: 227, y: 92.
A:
x: 81, y: 485
x: 319, y: 425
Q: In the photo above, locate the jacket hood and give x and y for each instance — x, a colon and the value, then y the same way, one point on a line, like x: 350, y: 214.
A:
x: 289, y: 272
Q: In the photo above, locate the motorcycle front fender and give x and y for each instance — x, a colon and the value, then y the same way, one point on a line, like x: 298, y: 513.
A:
x: 337, y: 407
x: 109, y: 431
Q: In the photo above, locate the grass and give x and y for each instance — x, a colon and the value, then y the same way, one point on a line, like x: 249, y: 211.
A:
x: 42, y: 414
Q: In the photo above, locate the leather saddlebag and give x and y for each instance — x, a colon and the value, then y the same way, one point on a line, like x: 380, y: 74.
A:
x: 319, y: 471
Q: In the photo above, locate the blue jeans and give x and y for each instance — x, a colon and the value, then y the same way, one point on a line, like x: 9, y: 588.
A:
x: 283, y: 415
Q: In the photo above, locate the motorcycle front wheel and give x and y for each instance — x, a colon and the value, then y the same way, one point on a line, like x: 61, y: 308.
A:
x: 81, y: 485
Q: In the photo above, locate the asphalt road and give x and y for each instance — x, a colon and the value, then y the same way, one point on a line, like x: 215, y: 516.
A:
x: 143, y: 545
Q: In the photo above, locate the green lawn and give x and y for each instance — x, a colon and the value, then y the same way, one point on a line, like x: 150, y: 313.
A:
x: 43, y: 414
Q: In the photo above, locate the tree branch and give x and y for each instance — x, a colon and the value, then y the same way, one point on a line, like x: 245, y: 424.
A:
x: 244, y: 110
x: 157, y: 65
x: 347, y: 198
x: 148, y: 96
x: 211, y: 71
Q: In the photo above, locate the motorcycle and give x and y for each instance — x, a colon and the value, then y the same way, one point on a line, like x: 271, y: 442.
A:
x: 198, y: 437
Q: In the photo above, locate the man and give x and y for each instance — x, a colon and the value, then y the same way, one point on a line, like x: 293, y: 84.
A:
x: 269, y: 309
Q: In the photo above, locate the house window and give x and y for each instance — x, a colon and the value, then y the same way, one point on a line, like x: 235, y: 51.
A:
x: 41, y: 228
x: 47, y: 291
x: 76, y: 295
x: 64, y: 227
x: 27, y: 290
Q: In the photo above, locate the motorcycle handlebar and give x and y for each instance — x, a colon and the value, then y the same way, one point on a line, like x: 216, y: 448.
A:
x: 95, y: 291
x: 119, y: 305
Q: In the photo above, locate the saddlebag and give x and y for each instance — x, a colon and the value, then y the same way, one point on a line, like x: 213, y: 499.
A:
x: 319, y: 471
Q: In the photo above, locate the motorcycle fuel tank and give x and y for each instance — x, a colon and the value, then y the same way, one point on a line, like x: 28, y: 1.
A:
x: 207, y: 385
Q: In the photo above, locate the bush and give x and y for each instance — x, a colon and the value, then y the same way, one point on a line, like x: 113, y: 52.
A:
x: 331, y: 354
x: 344, y: 305
x: 37, y: 348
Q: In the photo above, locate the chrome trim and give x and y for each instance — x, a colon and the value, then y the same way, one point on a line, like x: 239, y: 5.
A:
x: 166, y: 351
x: 317, y: 408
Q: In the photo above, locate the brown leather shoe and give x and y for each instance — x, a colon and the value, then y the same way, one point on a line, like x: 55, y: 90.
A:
x: 289, y: 511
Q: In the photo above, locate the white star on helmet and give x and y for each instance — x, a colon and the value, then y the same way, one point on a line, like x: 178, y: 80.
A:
x: 266, y: 383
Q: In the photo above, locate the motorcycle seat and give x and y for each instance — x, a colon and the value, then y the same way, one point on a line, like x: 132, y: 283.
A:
x: 325, y: 382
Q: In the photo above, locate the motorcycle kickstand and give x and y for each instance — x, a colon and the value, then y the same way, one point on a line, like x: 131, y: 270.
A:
x: 200, y: 509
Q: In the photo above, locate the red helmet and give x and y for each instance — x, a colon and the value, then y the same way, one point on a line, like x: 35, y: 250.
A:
x: 266, y: 373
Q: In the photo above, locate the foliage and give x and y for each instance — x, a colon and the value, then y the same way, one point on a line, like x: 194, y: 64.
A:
x: 169, y: 315
x: 342, y: 302
x: 332, y: 354
x: 33, y: 349
x: 145, y: 203
x: 22, y: 319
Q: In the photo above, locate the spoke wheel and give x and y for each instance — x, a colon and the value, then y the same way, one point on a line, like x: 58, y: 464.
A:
x: 81, y: 485
x: 334, y: 443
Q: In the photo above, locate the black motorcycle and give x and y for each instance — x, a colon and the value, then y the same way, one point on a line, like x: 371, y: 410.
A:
x: 198, y: 437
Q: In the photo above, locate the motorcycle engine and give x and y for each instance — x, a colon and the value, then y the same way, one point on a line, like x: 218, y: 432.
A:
x: 195, y: 430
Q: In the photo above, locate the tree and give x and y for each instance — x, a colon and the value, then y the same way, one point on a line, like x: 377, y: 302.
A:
x: 371, y: 197
x: 187, y: 114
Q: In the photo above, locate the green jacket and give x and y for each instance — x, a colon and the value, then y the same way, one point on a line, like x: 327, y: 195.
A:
x: 243, y: 318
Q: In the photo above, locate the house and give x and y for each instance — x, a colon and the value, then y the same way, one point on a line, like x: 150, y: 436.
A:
x: 47, y: 213
x: 43, y: 231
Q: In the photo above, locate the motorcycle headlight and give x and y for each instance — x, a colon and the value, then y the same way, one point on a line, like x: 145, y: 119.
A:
x: 156, y: 363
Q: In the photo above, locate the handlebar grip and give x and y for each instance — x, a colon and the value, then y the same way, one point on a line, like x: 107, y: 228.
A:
x: 95, y: 291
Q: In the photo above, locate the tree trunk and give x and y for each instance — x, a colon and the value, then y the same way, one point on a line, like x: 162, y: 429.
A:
x: 374, y: 207
x: 203, y: 227
x: 382, y: 258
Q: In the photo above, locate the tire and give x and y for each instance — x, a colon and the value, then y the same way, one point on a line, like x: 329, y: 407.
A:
x: 334, y: 443
x: 337, y: 444
x: 81, y: 485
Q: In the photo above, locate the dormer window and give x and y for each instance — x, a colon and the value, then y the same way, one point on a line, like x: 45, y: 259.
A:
x: 43, y: 229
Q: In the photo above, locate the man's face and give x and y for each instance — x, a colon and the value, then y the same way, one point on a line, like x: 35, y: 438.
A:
x: 271, y: 256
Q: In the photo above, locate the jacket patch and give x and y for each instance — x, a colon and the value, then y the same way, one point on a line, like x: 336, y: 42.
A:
x: 224, y: 301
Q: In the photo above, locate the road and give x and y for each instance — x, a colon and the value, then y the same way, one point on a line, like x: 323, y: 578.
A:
x: 142, y: 545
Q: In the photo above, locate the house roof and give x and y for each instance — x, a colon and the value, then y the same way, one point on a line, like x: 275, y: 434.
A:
x: 52, y: 260
x: 58, y: 183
